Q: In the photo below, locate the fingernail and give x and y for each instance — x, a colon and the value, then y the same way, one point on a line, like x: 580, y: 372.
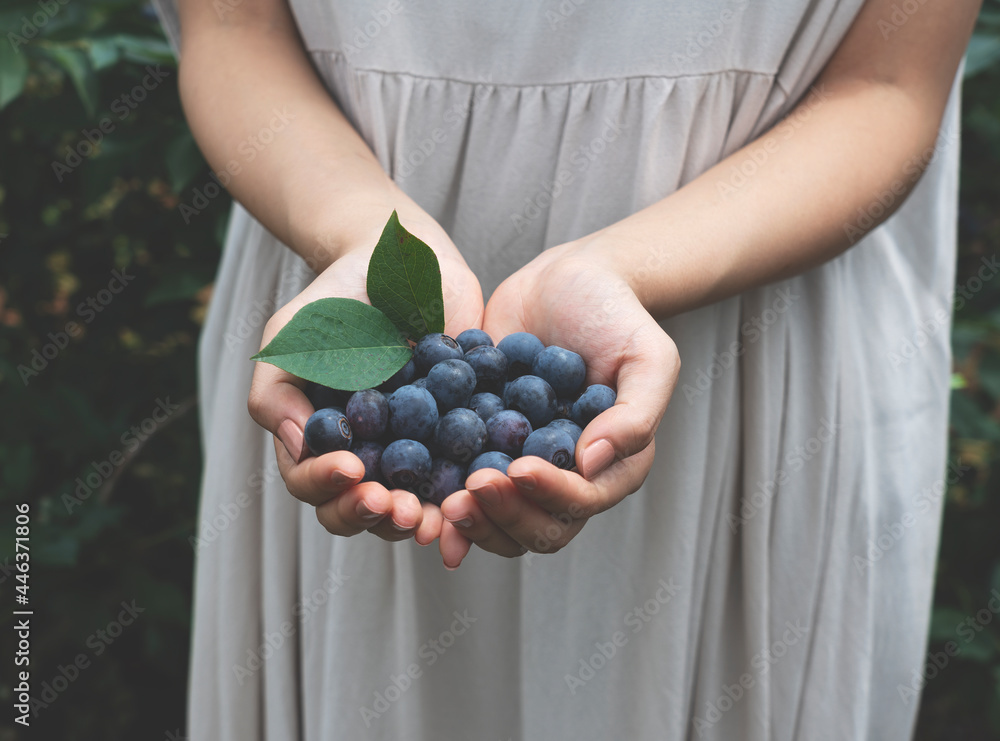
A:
x: 596, y: 457
x: 487, y: 494
x: 464, y: 522
x: 524, y: 481
x: 339, y: 478
x: 400, y: 528
x: 366, y: 514
x: 451, y: 568
x: 293, y: 440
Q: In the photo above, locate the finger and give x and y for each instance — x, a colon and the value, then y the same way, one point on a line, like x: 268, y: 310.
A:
x: 278, y: 403
x: 453, y: 545
x: 356, y: 509
x: 316, y: 480
x: 567, y: 494
x: 645, y: 381
x: 403, y: 520
x: 463, y: 512
x: 430, y: 526
x: 521, y: 520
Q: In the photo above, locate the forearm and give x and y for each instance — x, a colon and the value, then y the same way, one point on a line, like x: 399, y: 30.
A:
x: 840, y: 163
x: 269, y: 128
x: 785, y: 203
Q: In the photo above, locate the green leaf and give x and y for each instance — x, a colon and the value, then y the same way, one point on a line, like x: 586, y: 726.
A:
x: 339, y: 342
x: 145, y: 49
x: 13, y: 73
x: 404, y: 281
x: 77, y: 65
x: 982, y: 53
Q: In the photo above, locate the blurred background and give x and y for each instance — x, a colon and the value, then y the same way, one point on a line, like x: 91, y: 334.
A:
x: 104, y: 282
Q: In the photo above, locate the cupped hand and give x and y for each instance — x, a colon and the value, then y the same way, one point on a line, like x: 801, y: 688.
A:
x: 571, y: 296
x: 278, y: 403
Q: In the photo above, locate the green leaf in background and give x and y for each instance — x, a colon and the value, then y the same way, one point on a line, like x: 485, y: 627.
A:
x: 338, y: 342
x: 404, y: 281
x: 983, y: 52
x: 13, y: 73
x: 77, y: 65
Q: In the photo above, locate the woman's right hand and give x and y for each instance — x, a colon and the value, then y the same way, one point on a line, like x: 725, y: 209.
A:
x: 278, y: 403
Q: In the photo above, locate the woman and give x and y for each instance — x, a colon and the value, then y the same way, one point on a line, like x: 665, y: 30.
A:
x: 709, y: 180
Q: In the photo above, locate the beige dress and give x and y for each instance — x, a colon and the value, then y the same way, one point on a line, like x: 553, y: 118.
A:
x: 770, y: 581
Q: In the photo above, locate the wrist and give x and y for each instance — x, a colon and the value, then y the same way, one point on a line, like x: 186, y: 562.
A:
x: 326, y: 226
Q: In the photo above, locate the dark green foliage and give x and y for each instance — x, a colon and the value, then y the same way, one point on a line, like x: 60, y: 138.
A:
x: 63, y: 235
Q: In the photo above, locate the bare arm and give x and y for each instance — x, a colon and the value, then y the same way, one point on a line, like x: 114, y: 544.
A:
x: 882, y: 103
x: 866, y: 131
x: 245, y: 79
x: 260, y: 114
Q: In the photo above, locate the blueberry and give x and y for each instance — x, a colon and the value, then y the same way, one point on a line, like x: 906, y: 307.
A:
x: 568, y: 426
x: 324, y: 397
x: 533, y: 397
x: 451, y: 383
x: 400, y: 378
x: 486, y: 405
x: 490, y: 365
x: 592, y: 402
x: 446, y: 478
x: 412, y: 413
x: 460, y: 435
x: 328, y: 430
x: 520, y: 349
x: 420, y: 383
x: 563, y: 369
x: 432, y: 348
x: 491, y: 459
x: 507, y: 431
x: 406, y: 464
x: 564, y: 408
x: 368, y: 413
x: 371, y: 455
x: 471, y: 338
x: 551, y: 444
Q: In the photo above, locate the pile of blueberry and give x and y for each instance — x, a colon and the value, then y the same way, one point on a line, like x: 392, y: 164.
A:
x: 458, y: 406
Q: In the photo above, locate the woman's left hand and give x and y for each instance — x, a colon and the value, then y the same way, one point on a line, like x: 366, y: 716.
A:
x: 571, y: 296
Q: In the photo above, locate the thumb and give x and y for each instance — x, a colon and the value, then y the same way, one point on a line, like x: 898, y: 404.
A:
x: 278, y: 403
x: 645, y: 380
